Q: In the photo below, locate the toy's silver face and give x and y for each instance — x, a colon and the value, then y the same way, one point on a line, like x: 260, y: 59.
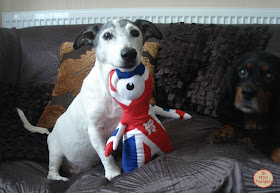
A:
x: 131, y: 88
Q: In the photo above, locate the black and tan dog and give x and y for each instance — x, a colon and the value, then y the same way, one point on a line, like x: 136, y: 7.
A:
x: 250, y: 105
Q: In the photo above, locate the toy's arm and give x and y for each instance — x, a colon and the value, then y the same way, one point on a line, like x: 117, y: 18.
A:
x: 113, y: 141
x: 173, y: 113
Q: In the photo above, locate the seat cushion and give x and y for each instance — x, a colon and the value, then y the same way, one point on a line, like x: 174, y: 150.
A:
x: 194, y: 165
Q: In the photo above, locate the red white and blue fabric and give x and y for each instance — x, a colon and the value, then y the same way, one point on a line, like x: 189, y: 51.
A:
x: 142, y: 132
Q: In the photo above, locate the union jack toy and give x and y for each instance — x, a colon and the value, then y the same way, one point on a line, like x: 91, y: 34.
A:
x: 142, y: 132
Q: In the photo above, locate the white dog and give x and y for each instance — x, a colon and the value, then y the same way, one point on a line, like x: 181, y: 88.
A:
x: 82, y: 131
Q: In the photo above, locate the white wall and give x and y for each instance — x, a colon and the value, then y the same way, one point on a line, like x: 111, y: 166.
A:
x: 37, y: 5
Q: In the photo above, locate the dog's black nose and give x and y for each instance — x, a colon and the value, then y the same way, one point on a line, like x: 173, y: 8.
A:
x: 248, y: 93
x: 128, y: 54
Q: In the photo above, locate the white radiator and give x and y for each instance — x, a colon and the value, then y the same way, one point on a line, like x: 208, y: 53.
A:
x: 155, y: 15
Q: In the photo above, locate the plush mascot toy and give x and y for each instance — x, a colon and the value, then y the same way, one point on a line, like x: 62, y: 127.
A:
x: 142, y: 132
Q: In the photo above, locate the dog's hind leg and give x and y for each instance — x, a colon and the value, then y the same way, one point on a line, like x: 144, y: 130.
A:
x: 55, y: 161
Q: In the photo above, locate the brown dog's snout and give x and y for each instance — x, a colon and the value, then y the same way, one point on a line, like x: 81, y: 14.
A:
x: 249, y: 93
x: 128, y: 54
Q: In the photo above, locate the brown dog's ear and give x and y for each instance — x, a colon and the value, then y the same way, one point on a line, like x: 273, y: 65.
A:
x: 231, y: 77
x: 148, y: 29
x: 86, y: 37
x: 229, y: 85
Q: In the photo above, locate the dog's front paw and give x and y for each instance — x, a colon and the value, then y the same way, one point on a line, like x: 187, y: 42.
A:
x: 275, y: 155
x: 225, y: 135
x: 112, y: 173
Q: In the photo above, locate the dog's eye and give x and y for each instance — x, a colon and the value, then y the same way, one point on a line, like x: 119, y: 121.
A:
x: 130, y: 86
x: 243, y: 73
x: 134, y: 33
x: 107, y: 36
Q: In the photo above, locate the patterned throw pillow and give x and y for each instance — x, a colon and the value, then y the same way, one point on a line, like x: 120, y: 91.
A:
x: 16, y: 142
x: 193, y: 60
x: 75, y: 65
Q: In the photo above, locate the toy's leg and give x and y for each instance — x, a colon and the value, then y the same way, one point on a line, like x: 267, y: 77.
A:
x: 135, y: 155
x: 129, y: 158
x: 173, y: 113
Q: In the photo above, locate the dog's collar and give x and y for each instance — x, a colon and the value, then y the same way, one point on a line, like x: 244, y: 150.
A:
x: 139, y: 70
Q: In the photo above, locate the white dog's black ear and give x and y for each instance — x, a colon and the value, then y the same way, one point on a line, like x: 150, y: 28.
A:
x: 86, y: 37
x: 148, y: 29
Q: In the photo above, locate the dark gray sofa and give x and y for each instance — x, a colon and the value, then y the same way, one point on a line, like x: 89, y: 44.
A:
x: 190, y: 69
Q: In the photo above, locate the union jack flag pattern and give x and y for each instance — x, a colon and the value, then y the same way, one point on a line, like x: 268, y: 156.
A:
x: 142, y: 132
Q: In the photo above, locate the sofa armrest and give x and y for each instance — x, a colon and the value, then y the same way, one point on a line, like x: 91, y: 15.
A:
x: 10, y: 54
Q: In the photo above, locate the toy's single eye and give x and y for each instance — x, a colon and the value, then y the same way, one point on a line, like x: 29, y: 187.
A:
x: 243, y: 73
x: 130, y: 86
x: 108, y: 36
x: 134, y: 33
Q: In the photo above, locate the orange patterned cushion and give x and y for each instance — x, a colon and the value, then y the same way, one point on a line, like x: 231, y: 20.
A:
x: 75, y: 65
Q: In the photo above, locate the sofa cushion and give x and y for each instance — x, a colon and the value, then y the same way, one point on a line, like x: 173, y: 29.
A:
x: 273, y: 43
x: 40, y: 51
x: 27, y: 176
x: 75, y: 65
x: 193, y: 60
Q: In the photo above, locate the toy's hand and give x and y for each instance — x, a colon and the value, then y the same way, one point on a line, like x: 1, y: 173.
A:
x: 173, y: 113
x: 109, y: 147
x: 182, y: 114
x: 113, y: 141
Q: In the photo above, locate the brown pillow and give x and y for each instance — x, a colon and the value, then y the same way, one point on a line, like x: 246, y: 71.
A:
x: 75, y: 65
